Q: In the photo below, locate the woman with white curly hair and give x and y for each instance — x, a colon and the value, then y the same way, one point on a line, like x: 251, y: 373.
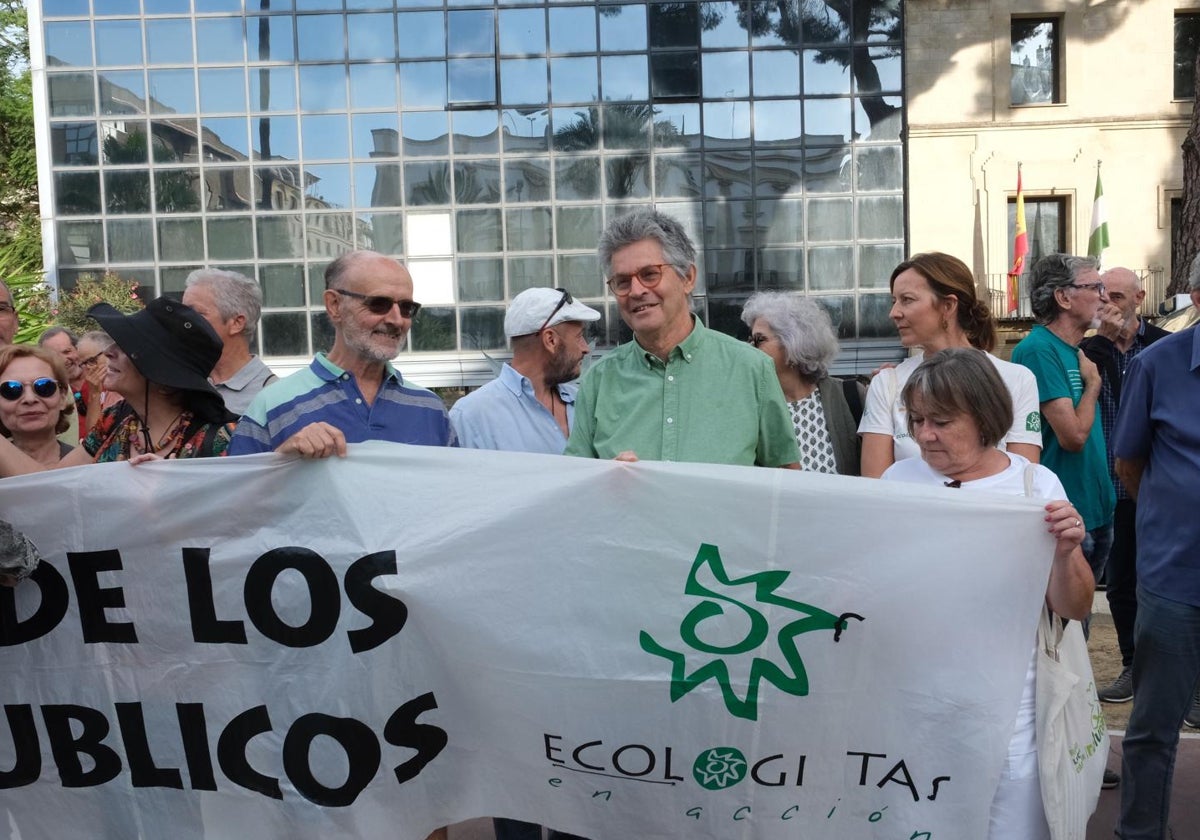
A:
x: 798, y: 335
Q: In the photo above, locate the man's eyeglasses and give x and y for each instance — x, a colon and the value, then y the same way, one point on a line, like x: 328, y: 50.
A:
x: 758, y: 339
x: 649, y: 276
x: 382, y: 304
x: 1097, y: 287
x: 562, y: 301
x: 91, y: 360
x: 44, y: 387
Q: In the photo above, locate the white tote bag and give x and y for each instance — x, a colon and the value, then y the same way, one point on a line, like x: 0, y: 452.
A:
x: 1072, y: 739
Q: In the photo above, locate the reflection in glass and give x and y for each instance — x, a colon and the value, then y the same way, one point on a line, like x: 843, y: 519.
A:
x: 527, y: 179
x: 69, y: 43
x: 828, y: 169
x: 579, y: 275
x: 375, y: 135
x: 529, y: 272
x: 729, y: 270
x: 472, y: 80
x: 475, y: 132
x: 731, y: 223
x: 579, y: 227
x: 677, y: 176
x: 270, y: 38
x: 778, y: 172
x: 127, y: 192
x: 172, y: 91
x: 674, y: 25
x: 878, y: 69
x: 423, y: 84
x: 223, y: 89
x: 80, y: 243
x: 776, y: 73
x: 176, y: 191
x: 622, y: 28
x: 880, y: 168
x: 624, y: 77
x: 781, y: 268
x: 877, y: 117
x: 830, y: 268
x: 526, y: 129
x: 130, y: 240
x: 479, y: 231
x: 327, y: 185
x: 273, y: 89
x: 523, y: 80
x: 166, y: 7
x: 205, y: 6
x: 841, y: 313
x: 873, y: 320
x: 231, y: 238
x: 573, y: 79
x: 74, y: 143
x: 480, y: 279
x: 425, y: 134
x: 320, y: 38
x: 227, y: 189
x: 278, y: 187
x: 322, y: 329
x: 826, y: 71
x: 827, y: 120
x: 118, y: 42
x: 627, y: 125
x: 422, y: 34
x: 675, y: 75
x: 522, y: 32
x: 180, y: 239
x: 382, y: 232
x: 70, y: 94
x: 434, y: 329
x: 783, y: 221
x: 220, y: 41
x: 529, y: 229
x: 726, y: 74
x: 627, y: 176
x: 576, y: 129
x: 477, y: 182
x: 324, y: 136
x: 875, y: 264
x: 64, y: 8
x: 573, y: 29
x: 677, y: 126
x: 282, y: 284
x: 577, y: 178
x: 829, y: 220
x: 881, y: 217
x: 371, y: 37
x: 373, y: 86
x: 174, y: 140
x: 727, y: 121
x: 280, y: 237
x: 285, y: 334
x: 428, y: 183
x: 722, y: 25
x: 323, y: 87
x: 122, y: 92
x: 777, y: 123
x: 328, y: 235
x: 471, y: 33
x: 225, y: 138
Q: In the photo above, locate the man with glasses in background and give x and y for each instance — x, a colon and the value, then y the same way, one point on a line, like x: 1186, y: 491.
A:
x: 679, y: 391
x: 352, y: 394
x: 1066, y: 295
x: 530, y: 405
x: 9, y: 321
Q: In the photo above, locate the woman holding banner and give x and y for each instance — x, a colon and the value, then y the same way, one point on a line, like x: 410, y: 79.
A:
x: 934, y: 306
x: 957, y: 411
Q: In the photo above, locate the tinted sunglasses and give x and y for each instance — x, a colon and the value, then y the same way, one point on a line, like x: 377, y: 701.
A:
x: 12, y: 390
x: 562, y: 301
x: 382, y: 305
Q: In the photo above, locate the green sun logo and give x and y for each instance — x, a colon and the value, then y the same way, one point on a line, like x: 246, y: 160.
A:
x: 719, y: 768
x: 744, y: 633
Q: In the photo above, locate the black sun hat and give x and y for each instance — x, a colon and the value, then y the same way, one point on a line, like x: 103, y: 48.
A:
x: 171, y: 345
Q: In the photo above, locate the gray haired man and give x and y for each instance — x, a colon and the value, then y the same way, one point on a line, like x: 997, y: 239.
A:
x: 231, y: 303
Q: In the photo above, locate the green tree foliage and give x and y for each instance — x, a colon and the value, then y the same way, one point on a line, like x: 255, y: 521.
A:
x: 20, y: 231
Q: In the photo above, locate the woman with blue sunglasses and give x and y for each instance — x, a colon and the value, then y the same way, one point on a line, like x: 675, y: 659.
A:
x: 35, y: 401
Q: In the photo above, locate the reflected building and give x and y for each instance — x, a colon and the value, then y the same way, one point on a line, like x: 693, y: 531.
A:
x: 485, y: 143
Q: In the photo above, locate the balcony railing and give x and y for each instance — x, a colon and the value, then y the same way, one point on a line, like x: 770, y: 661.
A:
x: 1154, y: 281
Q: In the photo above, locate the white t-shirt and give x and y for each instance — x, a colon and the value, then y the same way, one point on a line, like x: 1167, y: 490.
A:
x: 884, y: 412
x: 1011, y: 482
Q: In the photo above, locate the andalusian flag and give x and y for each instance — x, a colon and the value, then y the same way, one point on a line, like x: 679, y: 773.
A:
x: 1098, y: 240
x: 1020, y: 249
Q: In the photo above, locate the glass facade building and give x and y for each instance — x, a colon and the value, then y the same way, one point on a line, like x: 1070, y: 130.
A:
x: 484, y: 143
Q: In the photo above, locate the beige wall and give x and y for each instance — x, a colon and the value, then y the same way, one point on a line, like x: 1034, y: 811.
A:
x: 965, y: 139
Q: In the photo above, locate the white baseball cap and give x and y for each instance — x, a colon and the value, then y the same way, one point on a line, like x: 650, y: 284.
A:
x: 535, y: 309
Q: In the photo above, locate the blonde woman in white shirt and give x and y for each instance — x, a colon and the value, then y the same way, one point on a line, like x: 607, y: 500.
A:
x: 935, y: 307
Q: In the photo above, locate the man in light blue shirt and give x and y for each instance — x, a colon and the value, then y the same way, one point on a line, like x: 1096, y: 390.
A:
x: 530, y: 406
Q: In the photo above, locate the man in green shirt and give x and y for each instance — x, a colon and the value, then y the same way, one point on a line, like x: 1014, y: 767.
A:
x: 678, y: 391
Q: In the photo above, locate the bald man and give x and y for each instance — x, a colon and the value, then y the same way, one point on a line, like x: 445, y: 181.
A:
x: 1120, y: 337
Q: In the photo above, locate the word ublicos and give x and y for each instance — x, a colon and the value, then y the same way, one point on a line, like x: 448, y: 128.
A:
x: 388, y: 614
x: 75, y: 732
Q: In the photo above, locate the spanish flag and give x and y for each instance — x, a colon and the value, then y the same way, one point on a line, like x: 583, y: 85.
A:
x: 1020, y: 248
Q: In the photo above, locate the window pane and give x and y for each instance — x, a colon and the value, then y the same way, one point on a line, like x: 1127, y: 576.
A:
x: 622, y: 28
x: 1187, y: 39
x: 270, y: 38
x: 423, y: 84
x: 528, y: 272
x: 874, y: 320
x: 325, y: 136
x: 522, y: 32
x: 782, y: 220
x: 382, y: 232
x: 573, y: 30
x: 526, y: 129
x: 875, y: 264
x: 282, y: 285
x: 285, y: 334
x: 579, y: 227
x: 321, y: 37
x: 830, y: 268
x: 122, y: 92
x: 425, y: 134
x: 220, y: 41
x: 475, y: 132
x: 580, y: 275
x: 577, y: 178
x: 118, y: 42
x: 527, y: 179
x: 71, y: 94
x: 675, y: 74
x: 375, y: 135
x: 80, y: 243
x: 434, y: 329
x: 1034, y: 61
x: 130, y: 240
x: 479, y: 230
x: 180, y: 239
x: 829, y: 220
x: 323, y: 87
x: 174, y: 140
x: 722, y: 24
x: 472, y: 80
x: 573, y: 80
x: 781, y: 268
x: 273, y: 89
x: 776, y: 73
x: 74, y: 143
x: 377, y: 185
x: 481, y: 279
x: 371, y: 37
x: 529, y: 229
x: 177, y: 191
x: 127, y: 192
x: 881, y: 217
x: 77, y: 193
x: 172, y: 91
x: 624, y: 77
x: 422, y: 35
x: 726, y: 74
x: 777, y: 122
x: 71, y: 43
x: 470, y: 33
x: 223, y: 90
x: 231, y: 238
x: 280, y: 237
x: 674, y: 25
x: 523, y: 81
x: 230, y: 132
x: 373, y: 86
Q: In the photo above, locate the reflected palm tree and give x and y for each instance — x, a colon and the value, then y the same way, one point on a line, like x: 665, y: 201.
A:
x: 624, y: 125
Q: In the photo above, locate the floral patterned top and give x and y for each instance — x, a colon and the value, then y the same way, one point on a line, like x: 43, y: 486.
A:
x: 117, y: 436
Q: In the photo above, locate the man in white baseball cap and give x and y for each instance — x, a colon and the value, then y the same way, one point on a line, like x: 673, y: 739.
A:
x: 530, y: 406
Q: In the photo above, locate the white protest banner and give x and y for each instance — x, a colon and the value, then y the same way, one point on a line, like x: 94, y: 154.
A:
x: 375, y: 646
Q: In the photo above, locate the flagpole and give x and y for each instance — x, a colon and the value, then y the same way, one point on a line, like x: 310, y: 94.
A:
x: 1098, y: 235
